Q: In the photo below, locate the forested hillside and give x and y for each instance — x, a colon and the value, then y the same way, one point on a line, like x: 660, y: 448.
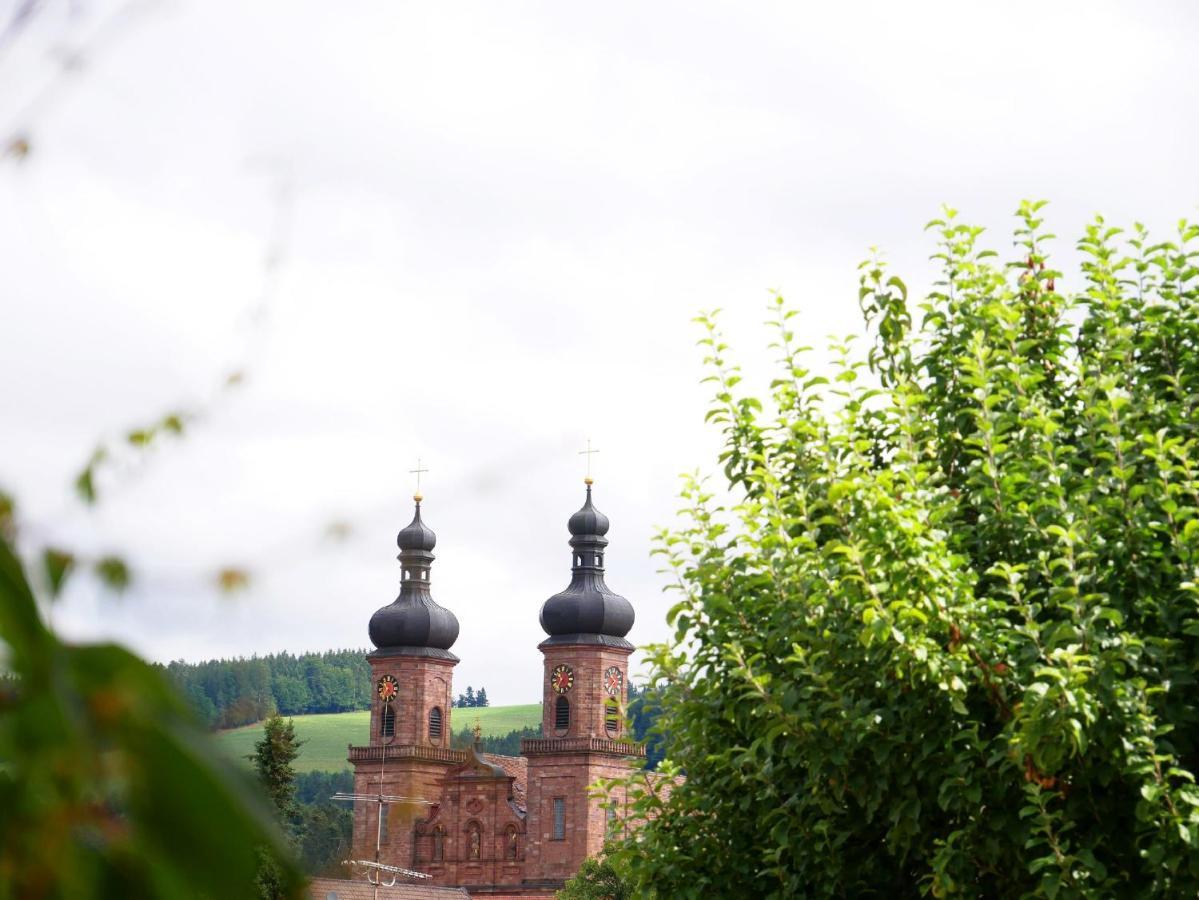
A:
x: 231, y: 692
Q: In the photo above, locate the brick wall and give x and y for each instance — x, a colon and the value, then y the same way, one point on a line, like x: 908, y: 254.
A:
x: 569, y: 774
x: 424, y: 683
x: 587, y: 697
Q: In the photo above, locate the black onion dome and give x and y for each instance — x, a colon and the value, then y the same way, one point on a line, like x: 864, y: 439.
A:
x: 417, y: 535
x: 588, y: 611
x: 588, y: 520
x: 414, y: 624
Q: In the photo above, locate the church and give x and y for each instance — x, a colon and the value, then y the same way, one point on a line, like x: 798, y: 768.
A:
x: 493, y: 826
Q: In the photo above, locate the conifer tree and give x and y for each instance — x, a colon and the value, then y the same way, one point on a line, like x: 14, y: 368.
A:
x: 273, y: 756
x: 481, y: 697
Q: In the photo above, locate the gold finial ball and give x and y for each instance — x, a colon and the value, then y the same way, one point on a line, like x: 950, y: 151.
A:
x: 588, y: 481
x: 417, y: 497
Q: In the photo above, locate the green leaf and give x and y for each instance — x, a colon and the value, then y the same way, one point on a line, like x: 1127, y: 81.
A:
x: 113, y: 572
x: 56, y: 565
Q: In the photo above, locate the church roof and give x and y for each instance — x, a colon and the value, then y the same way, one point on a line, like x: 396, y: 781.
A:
x: 495, y: 765
x: 414, y: 624
x: 588, y: 611
x: 514, y: 767
x: 343, y: 889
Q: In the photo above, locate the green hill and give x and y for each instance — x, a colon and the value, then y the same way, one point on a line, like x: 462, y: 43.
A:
x: 327, y: 735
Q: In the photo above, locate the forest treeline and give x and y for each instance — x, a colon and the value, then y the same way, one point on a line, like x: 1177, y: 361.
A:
x: 231, y: 692
x: 227, y: 693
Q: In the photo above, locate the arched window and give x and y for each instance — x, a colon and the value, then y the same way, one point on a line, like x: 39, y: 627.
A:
x: 435, y: 724
x: 562, y: 714
x: 387, y: 723
x: 438, y: 844
x: 612, y: 717
x: 510, y: 840
x: 474, y: 841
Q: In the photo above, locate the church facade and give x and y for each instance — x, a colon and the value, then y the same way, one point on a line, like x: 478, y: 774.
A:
x: 498, y: 826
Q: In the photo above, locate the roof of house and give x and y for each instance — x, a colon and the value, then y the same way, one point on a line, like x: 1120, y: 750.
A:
x: 342, y: 889
x: 514, y: 767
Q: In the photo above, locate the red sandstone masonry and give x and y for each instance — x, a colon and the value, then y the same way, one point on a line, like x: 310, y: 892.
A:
x: 420, y: 763
x: 562, y: 769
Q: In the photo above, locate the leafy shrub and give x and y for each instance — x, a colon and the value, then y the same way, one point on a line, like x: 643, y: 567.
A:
x: 940, y: 632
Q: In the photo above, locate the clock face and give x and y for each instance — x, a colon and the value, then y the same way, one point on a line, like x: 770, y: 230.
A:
x: 388, y: 688
x: 613, y: 681
x: 562, y: 679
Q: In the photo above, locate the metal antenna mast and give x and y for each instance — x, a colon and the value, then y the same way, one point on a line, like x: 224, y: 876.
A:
x: 375, y: 869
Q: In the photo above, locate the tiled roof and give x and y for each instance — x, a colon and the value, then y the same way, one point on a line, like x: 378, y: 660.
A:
x: 515, y: 767
x: 340, y: 889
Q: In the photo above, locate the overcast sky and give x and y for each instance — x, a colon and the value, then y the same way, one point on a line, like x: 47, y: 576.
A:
x: 491, y: 225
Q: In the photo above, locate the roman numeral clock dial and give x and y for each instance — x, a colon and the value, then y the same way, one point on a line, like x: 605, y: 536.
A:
x: 562, y: 679
x: 613, y: 681
x: 387, y: 688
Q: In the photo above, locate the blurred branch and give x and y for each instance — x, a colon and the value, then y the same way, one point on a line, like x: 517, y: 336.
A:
x: 70, y: 62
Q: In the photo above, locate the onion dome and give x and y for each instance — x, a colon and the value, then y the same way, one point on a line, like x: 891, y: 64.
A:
x: 587, y: 612
x: 414, y: 624
x: 417, y: 535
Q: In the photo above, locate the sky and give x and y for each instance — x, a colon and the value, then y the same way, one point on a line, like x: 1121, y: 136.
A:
x: 476, y: 234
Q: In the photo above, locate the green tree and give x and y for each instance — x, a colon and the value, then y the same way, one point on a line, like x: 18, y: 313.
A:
x: 939, y: 630
x: 273, y: 756
x: 595, y: 880
x: 481, y: 697
x: 644, y: 709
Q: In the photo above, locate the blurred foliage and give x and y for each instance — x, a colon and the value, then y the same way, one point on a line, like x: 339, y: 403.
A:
x: 113, y: 573
x: 232, y: 579
x: 940, y: 633
x: 108, y: 785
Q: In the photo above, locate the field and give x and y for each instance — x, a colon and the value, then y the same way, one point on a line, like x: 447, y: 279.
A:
x: 327, y: 735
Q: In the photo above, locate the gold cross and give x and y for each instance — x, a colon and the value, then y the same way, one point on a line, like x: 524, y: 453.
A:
x: 588, y: 452
x: 417, y: 472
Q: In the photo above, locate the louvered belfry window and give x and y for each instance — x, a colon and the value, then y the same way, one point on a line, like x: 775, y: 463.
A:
x: 611, y: 717
x: 435, y: 723
x: 562, y: 714
x: 387, y: 725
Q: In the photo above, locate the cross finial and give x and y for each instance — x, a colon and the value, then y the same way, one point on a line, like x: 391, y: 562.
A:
x: 478, y: 730
x: 417, y: 472
x: 588, y: 452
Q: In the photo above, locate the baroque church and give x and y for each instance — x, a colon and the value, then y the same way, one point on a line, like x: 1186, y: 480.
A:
x: 493, y: 826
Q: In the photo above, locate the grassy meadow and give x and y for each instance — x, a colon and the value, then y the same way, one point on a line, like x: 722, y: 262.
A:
x: 327, y: 735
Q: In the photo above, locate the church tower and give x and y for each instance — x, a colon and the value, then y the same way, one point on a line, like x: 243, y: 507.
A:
x: 584, y: 696
x: 412, y: 677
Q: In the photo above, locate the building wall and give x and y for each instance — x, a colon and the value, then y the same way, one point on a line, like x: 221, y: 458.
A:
x: 567, y: 776
x: 418, y: 779
x: 587, y: 698
x: 424, y: 683
x: 568, y: 773
x: 473, y: 797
